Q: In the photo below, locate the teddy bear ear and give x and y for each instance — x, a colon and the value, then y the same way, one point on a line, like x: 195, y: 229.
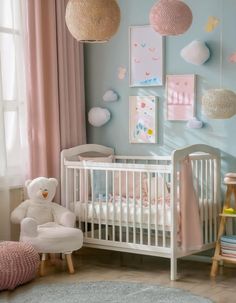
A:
x: 27, y: 182
x: 53, y: 180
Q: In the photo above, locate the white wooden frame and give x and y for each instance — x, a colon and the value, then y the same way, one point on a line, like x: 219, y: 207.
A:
x: 206, y: 171
x: 157, y: 36
x: 193, y: 108
x: 131, y: 119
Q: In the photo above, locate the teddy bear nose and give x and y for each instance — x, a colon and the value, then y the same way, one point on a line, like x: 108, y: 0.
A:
x: 45, y: 194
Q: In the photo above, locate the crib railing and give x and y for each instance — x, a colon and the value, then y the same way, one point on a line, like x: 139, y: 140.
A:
x: 127, y: 213
x: 122, y: 218
x: 206, y: 181
x: 123, y: 215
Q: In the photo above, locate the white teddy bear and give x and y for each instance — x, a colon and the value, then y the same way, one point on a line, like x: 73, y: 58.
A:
x: 39, y: 207
x: 47, y: 225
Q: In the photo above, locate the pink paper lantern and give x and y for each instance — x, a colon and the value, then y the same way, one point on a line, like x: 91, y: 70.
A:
x: 170, y: 17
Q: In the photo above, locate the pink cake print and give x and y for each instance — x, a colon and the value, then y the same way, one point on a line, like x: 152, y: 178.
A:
x: 180, y: 97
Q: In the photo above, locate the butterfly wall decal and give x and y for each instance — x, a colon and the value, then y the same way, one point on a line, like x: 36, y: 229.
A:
x: 122, y: 72
x: 211, y: 24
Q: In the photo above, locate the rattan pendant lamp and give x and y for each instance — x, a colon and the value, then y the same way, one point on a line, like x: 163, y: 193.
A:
x: 170, y: 17
x: 92, y: 21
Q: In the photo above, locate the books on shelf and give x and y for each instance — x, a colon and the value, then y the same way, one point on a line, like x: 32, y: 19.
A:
x: 228, y: 246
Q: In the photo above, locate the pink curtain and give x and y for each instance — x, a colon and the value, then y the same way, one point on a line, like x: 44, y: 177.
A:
x: 55, y: 85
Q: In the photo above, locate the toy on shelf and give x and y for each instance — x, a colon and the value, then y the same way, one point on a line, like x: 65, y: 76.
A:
x: 226, y: 245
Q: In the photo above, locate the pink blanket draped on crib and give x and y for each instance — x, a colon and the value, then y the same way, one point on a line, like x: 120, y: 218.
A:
x: 190, y: 226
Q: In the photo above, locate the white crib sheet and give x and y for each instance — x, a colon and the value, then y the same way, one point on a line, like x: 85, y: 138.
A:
x: 115, y: 213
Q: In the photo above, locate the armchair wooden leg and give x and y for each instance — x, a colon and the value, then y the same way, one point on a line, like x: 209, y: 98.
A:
x: 70, y: 263
x: 42, y: 264
x: 53, y: 258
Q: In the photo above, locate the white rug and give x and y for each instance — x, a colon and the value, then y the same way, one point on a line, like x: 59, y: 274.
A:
x: 99, y: 292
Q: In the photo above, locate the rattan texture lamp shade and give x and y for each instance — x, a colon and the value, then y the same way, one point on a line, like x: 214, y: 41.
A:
x: 170, y: 17
x: 92, y: 20
x: 219, y: 104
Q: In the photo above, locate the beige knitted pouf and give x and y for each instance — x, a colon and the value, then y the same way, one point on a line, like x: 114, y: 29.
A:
x: 19, y: 263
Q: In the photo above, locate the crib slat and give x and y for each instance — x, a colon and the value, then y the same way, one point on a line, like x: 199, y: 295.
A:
x: 141, y: 210
x: 210, y: 199
x: 74, y: 186
x: 120, y: 198
x: 127, y: 206
x: 80, y: 194
x: 164, y: 211
x: 156, y: 206
x: 92, y: 197
x: 149, y: 209
x: 67, y: 192
x: 134, y: 209
x: 206, y: 202
x: 114, y: 208
x: 86, y: 202
x: 202, y: 197
x: 215, y: 205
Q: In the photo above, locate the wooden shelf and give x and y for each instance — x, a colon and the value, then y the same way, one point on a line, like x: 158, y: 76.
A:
x: 224, y: 258
x: 231, y: 191
x: 227, y: 215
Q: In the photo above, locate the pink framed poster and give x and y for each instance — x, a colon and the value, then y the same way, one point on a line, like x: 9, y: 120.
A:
x: 180, y: 92
x: 146, y: 57
x: 142, y: 119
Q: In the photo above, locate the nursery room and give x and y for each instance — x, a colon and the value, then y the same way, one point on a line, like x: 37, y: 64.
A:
x: 117, y: 154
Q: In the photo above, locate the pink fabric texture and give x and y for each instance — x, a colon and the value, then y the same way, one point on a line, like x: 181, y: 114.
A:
x: 55, y: 87
x: 131, y: 189
x: 19, y: 263
x: 190, y: 226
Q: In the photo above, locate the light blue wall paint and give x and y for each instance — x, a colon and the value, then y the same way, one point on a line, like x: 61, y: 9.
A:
x: 102, y: 62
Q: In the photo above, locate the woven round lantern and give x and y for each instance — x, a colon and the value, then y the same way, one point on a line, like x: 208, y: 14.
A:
x: 170, y: 17
x: 92, y: 20
x: 219, y: 104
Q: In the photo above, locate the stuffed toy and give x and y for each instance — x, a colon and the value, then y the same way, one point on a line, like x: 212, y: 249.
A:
x: 40, y: 207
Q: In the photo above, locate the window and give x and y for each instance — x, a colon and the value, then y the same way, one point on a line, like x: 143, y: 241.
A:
x: 13, y: 147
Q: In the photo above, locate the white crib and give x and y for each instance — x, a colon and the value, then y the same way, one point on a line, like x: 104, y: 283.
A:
x: 120, y: 217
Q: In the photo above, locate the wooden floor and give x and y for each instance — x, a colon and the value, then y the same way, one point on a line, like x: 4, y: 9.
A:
x: 100, y: 265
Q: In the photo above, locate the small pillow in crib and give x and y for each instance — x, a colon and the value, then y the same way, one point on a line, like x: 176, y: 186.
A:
x: 121, y: 178
x: 159, y: 188
x: 99, y: 179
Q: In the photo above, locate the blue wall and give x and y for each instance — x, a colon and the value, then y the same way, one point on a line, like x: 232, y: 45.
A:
x: 103, y: 60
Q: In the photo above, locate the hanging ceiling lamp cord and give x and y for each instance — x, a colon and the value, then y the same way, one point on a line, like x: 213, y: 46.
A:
x: 221, y: 45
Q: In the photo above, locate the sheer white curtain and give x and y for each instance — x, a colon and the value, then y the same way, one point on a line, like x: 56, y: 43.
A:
x: 13, y: 146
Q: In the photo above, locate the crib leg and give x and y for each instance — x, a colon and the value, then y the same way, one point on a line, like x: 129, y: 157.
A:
x: 173, y: 269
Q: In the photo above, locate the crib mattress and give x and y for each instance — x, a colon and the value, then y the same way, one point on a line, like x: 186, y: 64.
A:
x: 125, y: 212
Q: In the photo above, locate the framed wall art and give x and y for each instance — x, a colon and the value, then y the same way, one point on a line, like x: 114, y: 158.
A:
x: 143, y: 119
x: 180, y: 92
x: 146, y: 56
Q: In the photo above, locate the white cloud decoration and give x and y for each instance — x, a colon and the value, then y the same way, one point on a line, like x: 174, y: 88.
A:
x: 194, y: 123
x: 110, y: 96
x: 98, y: 116
x: 196, y: 53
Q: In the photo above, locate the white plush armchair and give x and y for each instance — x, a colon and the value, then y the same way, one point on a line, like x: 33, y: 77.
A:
x: 48, y: 226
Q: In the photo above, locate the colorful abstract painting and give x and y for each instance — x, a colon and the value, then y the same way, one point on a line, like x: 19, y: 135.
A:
x: 146, y: 57
x: 180, y: 91
x: 142, y: 119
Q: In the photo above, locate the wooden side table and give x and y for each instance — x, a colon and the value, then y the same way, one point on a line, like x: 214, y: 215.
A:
x: 231, y: 190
